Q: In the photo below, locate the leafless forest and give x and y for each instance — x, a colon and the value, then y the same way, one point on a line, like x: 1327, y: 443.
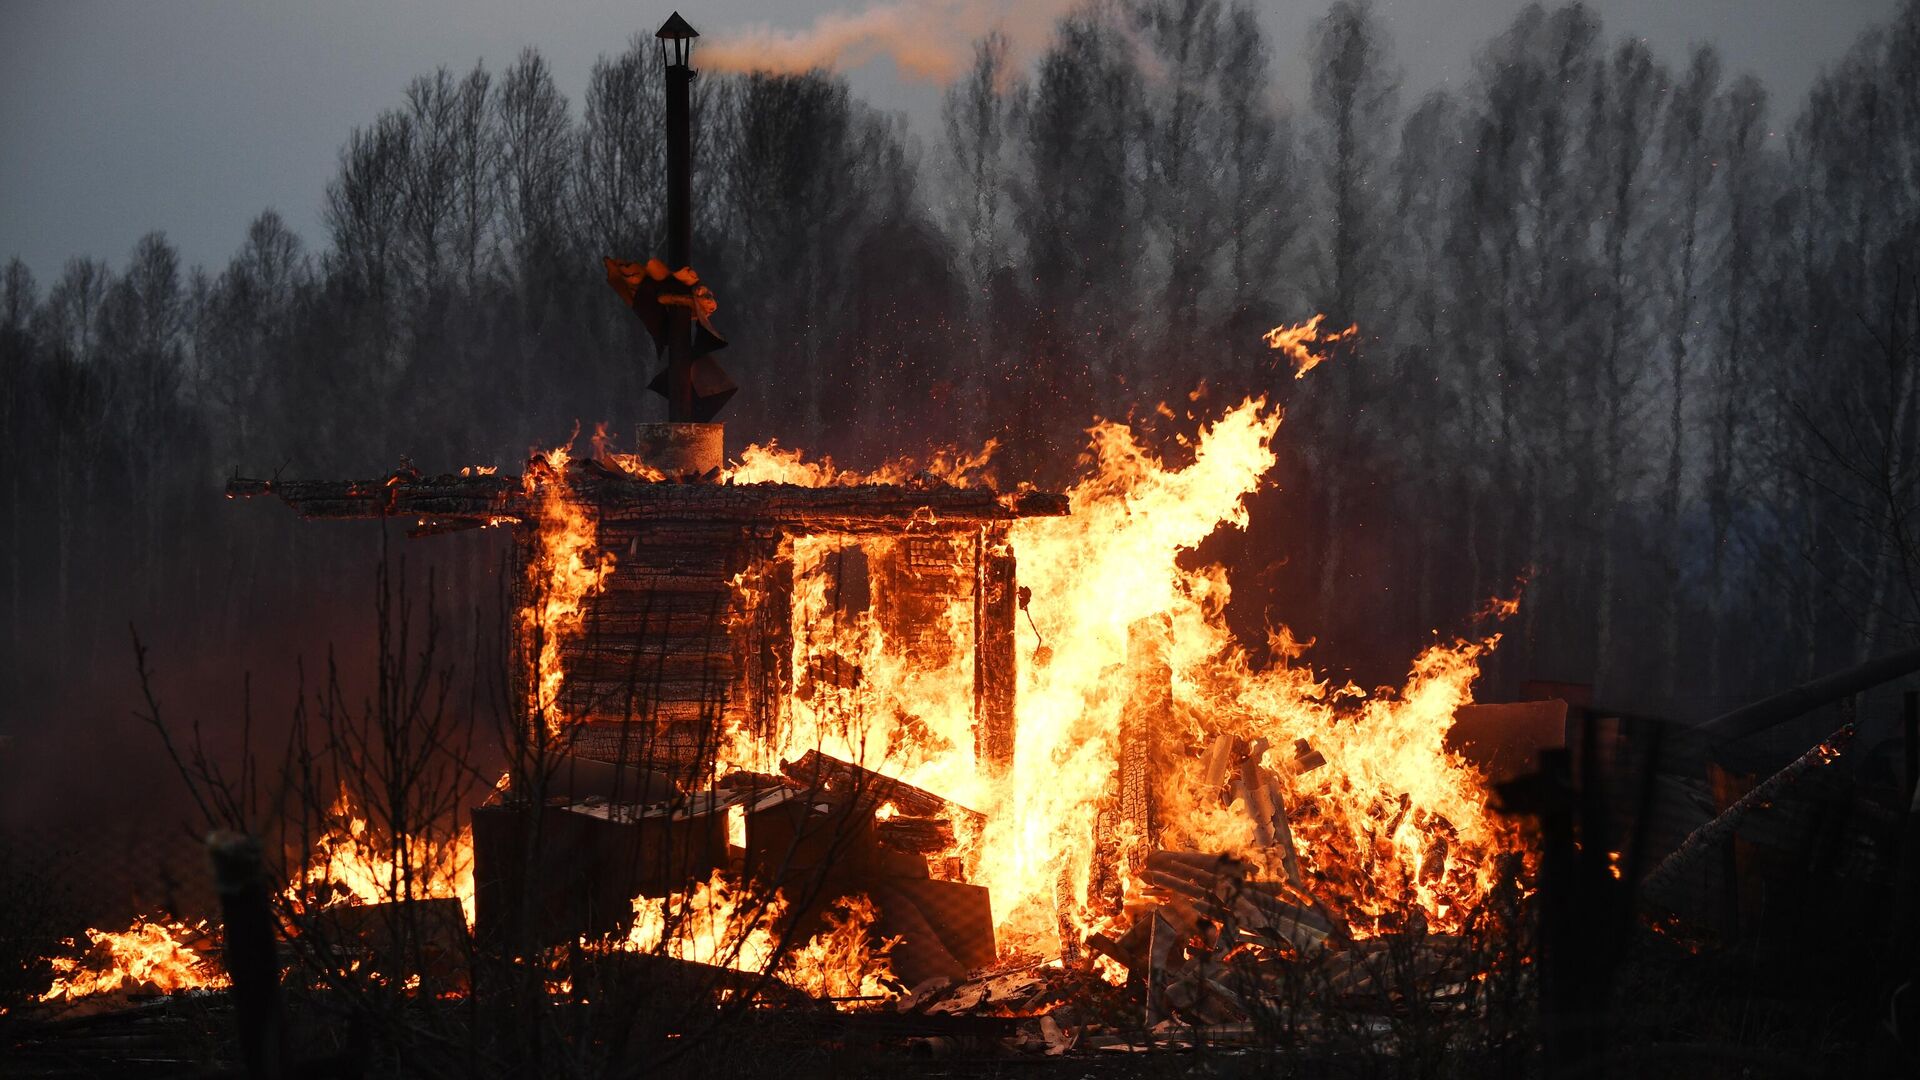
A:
x: 1632, y: 329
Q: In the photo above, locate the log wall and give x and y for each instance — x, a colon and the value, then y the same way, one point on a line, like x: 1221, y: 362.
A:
x: 692, y: 633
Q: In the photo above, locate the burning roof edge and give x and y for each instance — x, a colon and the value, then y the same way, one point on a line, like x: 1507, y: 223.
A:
x: 451, y: 502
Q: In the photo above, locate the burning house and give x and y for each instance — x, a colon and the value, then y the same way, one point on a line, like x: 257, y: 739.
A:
x: 675, y: 615
x: 901, y: 735
x: 862, y: 757
x: 943, y: 733
x: 836, y: 687
x: 669, y: 621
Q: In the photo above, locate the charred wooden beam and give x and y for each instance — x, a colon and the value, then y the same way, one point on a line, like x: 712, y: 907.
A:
x: 861, y: 508
x: 768, y: 645
x: 922, y: 835
x: 1144, y: 720
x: 401, y: 495
x: 995, y: 666
x: 1779, y: 708
x: 624, y: 499
x: 1705, y: 838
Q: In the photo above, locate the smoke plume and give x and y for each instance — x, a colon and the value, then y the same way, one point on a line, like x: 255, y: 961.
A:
x: 931, y: 40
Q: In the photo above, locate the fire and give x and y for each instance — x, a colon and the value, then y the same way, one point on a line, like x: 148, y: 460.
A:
x: 772, y: 464
x: 1395, y: 827
x: 1296, y: 342
x: 727, y: 926
x: 1345, y: 795
x: 352, y: 863
x: 565, y: 569
x: 842, y: 961
x: 856, y: 695
x: 147, y: 954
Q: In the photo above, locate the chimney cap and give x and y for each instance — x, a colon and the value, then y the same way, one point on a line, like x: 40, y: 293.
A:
x: 676, y: 29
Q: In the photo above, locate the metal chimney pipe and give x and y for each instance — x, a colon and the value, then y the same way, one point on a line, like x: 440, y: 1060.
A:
x: 676, y: 41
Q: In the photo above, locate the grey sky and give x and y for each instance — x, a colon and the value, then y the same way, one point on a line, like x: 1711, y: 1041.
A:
x: 121, y: 116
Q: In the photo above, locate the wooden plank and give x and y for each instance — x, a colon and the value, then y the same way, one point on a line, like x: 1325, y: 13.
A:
x: 647, y: 670
x: 603, y: 623
x: 922, y: 835
x: 716, y: 589
x: 604, y: 694
x: 996, y: 666
x: 767, y: 644
x: 620, y: 499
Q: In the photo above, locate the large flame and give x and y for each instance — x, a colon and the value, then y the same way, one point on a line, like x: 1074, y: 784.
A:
x: 1391, y: 828
x: 1394, y: 827
x: 563, y: 569
x: 774, y: 464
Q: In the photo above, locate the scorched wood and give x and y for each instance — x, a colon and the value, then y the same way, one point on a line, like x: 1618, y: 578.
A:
x: 625, y: 501
x: 995, y: 669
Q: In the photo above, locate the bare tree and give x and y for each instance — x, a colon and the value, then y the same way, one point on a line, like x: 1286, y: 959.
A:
x: 622, y: 170
x: 1257, y: 192
x: 534, y: 169
x: 19, y: 298
x: 975, y: 111
x: 1427, y: 180
x: 1739, y: 133
x: 142, y: 342
x: 1635, y: 86
x: 1078, y: 191
x: 1353, y: 97
x: 1688, y: 161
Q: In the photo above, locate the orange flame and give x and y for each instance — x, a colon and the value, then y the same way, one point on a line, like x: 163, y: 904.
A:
x: 352, y: 863
x: 773, y: 464
x: 1395, y: 825
x: 565, y: 568
x: 1506, y: 607
x: 720, y: 925
x: 148, y: 954
x: 1296, y: 342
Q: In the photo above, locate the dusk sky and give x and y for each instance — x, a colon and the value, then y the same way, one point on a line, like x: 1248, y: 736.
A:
x: 190, y: 116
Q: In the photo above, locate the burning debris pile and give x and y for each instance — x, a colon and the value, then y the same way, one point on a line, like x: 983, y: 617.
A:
x: 150, y: 955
